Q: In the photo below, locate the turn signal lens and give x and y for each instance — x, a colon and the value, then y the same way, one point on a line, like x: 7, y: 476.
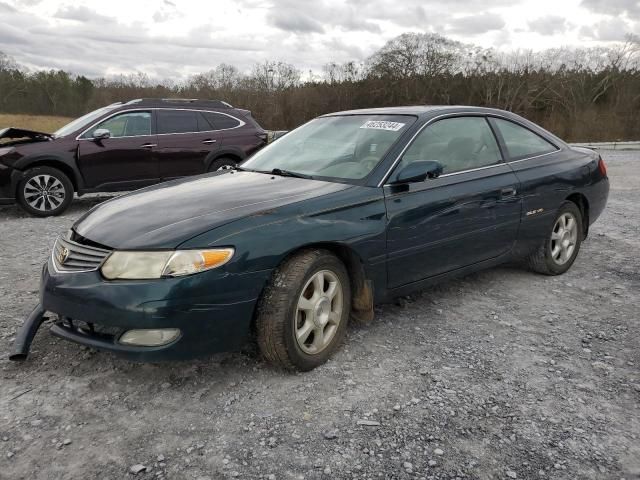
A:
x: 186, y: 262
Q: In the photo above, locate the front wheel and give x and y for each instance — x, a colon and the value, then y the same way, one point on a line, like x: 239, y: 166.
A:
x: 561, y: 246
x: 45, y: 191
x: 303, y: 313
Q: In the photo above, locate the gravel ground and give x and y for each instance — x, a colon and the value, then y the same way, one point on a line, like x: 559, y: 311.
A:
x: 502, y: 374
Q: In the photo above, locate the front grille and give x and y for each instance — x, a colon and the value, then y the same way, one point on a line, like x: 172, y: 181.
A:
x: 70, y: 256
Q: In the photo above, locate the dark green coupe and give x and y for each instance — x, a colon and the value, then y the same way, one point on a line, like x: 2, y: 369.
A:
x: 350, y: 209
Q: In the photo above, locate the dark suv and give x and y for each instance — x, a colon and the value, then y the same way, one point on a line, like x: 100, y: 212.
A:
x: 123, y: 146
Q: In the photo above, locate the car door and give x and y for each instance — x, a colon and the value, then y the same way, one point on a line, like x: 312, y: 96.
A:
x: 125, y: 159
x: 546, y: 174
x: 467, y: 215
x: 185, y: 141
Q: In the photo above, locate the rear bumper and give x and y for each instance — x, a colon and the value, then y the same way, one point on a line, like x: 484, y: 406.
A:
x: 213, y: 311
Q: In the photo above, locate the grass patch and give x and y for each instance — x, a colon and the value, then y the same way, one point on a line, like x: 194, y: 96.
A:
x: 40, y: 123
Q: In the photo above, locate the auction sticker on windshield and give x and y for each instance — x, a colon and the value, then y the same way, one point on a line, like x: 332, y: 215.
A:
x: 383, y: 125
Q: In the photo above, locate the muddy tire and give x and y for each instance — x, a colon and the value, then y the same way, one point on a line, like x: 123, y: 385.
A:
x: 303, y: 312
x: 561, y: 245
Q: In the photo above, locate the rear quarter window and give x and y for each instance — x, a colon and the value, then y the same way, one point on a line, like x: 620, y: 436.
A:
x: 522, y: 142
x: 219, y: 121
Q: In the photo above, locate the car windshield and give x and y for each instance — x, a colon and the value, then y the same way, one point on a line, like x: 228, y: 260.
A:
x: 344, y: 147
x: 83, y: 121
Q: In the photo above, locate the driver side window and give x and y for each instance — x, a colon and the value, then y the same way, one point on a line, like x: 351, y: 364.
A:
x: 131, y: 124
x: 460, y: 143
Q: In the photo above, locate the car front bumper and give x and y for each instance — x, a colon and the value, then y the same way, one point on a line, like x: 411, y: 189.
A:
x: 213, y: 310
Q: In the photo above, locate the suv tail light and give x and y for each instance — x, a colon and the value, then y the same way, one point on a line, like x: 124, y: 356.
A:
x: 602, y: 167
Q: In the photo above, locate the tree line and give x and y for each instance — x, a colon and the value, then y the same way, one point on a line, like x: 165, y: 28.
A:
x: 581, y: 94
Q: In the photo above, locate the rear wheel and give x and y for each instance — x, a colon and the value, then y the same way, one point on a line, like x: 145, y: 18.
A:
x: 45, y: 191
x: 562, y: 243
x: 304, y: 311
x: 224, y: 163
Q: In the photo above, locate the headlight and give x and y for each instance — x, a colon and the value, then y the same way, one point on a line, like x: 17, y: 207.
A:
x: 174, y: 263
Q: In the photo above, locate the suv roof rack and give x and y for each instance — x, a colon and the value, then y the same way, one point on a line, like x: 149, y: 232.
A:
x: 150, y: 102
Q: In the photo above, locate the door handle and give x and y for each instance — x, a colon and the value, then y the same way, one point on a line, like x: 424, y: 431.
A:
x: 209, y: 141
x: 148, y: 145
x: 508, y: 192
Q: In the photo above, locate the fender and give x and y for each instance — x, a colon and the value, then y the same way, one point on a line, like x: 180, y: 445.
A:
x: 65, y: 161
x: 334, y: 221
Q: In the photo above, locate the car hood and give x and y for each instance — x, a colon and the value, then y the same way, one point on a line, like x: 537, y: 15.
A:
x: 11, y: 136
x: 168, y: 214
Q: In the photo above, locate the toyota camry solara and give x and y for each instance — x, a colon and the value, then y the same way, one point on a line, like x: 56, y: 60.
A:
x: 350, y: 209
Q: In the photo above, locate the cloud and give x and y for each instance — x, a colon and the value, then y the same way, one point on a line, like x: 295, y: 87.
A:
x: 172, y: 40
x: 410, y: 13
x: 167, y: 11
x: 614, y: 29
x: 549, y: 25
x: 294, y: 21
x: 476, y: 24
x: 318, y: 17
x: 614, y: 7
x: 6, y: 7
x: 79, y: 14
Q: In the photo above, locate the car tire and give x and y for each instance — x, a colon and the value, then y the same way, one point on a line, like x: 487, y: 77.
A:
x: 303, y: 313
x: 562, y: 243
x: 45, y: 191
x: 224, y: 163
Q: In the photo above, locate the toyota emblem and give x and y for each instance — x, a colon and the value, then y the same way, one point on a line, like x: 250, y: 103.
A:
x: 63, y: 255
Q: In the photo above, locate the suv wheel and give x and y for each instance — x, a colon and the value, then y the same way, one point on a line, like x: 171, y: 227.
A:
x: 45, y: 191
x: 303, y: 313
x: 223, y: 163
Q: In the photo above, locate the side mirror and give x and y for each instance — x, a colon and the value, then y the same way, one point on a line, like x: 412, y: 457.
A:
x: 101, y: 134
x: 418, y: 172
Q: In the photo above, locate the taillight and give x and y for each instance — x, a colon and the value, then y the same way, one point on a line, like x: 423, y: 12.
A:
x: 602, y: 167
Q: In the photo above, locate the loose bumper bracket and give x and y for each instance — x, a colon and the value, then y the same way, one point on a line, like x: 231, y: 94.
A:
x: 26, y: 334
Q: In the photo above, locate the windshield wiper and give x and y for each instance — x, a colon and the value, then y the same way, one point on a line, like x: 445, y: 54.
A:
x: 288, y: 173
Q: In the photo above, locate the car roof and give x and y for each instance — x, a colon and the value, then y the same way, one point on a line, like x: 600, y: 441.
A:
x: 427, y: 112
x: 420, y: 110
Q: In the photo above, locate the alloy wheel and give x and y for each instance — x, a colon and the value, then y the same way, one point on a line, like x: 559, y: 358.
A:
x: 319, y: 312
x: 44, y: 192
x: 564, y: 237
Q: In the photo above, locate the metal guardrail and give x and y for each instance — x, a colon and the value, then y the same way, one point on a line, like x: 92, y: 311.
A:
x: 609, y: 145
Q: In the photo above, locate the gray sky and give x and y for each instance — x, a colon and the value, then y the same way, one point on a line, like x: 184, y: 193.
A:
x: 176, y: 38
